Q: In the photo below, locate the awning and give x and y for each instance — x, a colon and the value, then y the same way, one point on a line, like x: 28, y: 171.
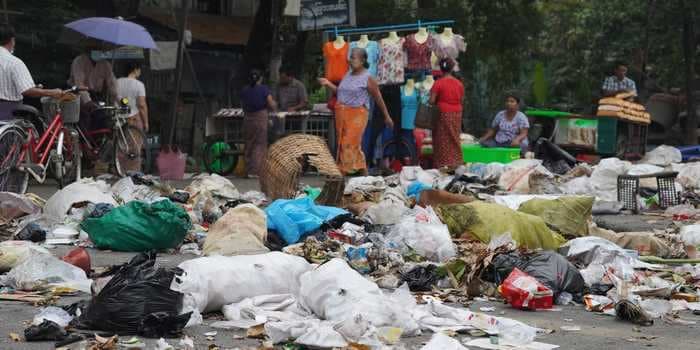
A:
x: 211, y: 29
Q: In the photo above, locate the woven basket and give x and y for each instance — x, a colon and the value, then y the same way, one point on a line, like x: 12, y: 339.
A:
x: 289, y: 157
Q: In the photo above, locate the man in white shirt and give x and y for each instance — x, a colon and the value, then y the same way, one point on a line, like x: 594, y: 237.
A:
x: 15, y: 80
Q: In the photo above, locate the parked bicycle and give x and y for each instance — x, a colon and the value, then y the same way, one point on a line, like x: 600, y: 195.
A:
x: 30, y: 145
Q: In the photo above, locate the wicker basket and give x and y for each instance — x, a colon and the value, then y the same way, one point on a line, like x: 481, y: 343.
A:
x: 70, y: 109
x: 289, y: 157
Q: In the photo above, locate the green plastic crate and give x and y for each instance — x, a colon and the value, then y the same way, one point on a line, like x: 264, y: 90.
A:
x: 478, y: 154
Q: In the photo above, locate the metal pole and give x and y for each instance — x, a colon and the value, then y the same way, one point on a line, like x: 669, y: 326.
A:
x: 691, y: 134
x: 7, y: 15
x: 178, y: 68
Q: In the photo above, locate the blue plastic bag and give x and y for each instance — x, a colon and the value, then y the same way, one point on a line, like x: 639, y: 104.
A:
x: 292, y: 218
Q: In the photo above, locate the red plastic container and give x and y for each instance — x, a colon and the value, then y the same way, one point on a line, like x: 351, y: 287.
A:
x: 523, y: 291
x: 78, y: 257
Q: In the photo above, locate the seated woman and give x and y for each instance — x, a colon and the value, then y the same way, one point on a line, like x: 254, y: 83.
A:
x: 509, y: 128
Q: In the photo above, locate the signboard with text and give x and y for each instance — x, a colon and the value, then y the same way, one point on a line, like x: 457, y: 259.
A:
x: 324, y: 14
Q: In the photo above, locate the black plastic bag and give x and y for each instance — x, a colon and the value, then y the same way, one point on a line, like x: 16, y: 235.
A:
x: 421, y: 278
x: 161, y: 324
x: 47, y: 330
x: 136, y: 291
x: 338, y: 221
x: 549, y: 268
x: 32, y: 232
x: 179, y: 197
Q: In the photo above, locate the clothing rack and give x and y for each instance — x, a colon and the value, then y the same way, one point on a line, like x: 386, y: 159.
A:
x: 390, y: 28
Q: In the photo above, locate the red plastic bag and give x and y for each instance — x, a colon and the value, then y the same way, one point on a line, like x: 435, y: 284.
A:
x: 80, y: 258
x: 523, y: 291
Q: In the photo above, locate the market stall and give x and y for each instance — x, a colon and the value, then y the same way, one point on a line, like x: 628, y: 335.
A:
x: 225, y: 139
x: 587, y: 134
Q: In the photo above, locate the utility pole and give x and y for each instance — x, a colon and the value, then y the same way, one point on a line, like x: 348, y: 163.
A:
x: 182, y: 25
x: 691, y: 125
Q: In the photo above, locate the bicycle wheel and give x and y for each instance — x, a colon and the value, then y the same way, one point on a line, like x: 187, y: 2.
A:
x: 220, y: 157
x: 67, y: 169
x: 11, y: 178
x: 128, y: 146
x: 399, y: 153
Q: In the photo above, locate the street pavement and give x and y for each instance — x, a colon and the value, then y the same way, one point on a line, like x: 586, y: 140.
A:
x: 597, y: 331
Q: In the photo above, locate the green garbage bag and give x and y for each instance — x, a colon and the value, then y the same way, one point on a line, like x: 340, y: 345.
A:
x: 138, y: 226
x: 484, y: 221
x: 567, y: 215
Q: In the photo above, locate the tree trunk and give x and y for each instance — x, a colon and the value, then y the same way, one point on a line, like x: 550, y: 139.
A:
x: 691, y: 135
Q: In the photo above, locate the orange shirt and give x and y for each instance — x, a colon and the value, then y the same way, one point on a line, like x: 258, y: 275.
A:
x: 336, y: 61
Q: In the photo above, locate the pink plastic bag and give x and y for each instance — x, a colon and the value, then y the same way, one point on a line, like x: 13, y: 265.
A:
x: 171, y: 165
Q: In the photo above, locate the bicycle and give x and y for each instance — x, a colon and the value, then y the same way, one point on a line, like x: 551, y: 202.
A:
x: 27, y: 151
x: 116, y: 143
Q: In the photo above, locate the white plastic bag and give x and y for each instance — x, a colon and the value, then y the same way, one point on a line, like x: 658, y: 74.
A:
x: 516, y: 177
x: 209, y: 283
x: 663, y: 156
x: 429, y: 238
x: 441, y: 341
x: 604, y: 177
x: 690, y: 235
x: 577, y: 185
x: 365, y: 184
x: 39, y: 270
x: 688, y: 175
x: 336, y: 292
x: 12, y: 253
x: 656, y: 308
x: 86, y: 191
x: 55, y: 314
x: 385, y: 212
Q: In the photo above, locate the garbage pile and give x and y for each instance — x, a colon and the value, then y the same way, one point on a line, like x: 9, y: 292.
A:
x: 400, y: 257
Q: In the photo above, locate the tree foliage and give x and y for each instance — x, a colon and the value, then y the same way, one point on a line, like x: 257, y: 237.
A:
x: 38, y: 29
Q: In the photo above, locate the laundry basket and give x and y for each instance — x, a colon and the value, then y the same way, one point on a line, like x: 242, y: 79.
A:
x: 69, y: 109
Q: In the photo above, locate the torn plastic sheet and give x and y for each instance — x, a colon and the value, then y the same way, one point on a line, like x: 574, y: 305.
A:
x: 260, y: 310
x: 86, y: 191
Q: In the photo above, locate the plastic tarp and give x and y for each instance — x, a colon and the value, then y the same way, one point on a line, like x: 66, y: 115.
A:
x: 138, y: 226
x: 486, y: 220
x: 209, y: 283
x: 567, y: 215
x: 242, y: 230
x: 86, y: 191
x: 292, y: 218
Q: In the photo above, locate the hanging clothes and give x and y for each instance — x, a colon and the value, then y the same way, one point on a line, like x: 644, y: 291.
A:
x: 409, y: 108
x: 372, y: 50
x: 423, y: 93
x: 418, y: 54
x: 336, y: 61
x: 392, y: 59
x: 450, y: 47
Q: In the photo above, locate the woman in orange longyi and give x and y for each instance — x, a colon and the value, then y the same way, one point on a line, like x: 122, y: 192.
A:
x: 351, y: 112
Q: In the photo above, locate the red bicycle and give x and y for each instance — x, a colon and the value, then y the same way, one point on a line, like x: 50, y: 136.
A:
x: 29, y: 145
